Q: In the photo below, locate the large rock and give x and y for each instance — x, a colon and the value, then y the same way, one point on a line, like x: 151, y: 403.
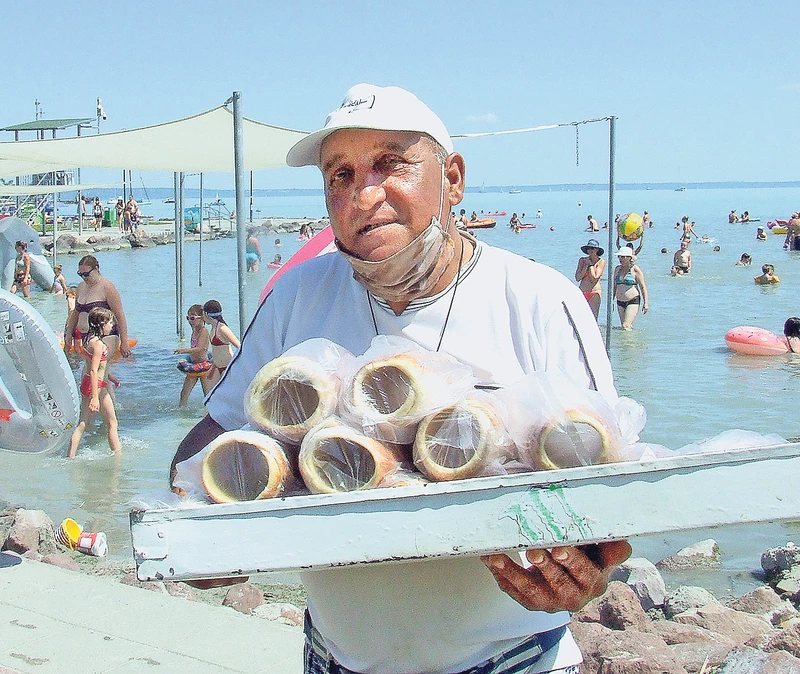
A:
x: 784, y: 558
x: 737, y: 626
x: 787, y: 583
x: 678, y: 633
x: 141, y: 239
x: 642, y: 576
x: 786, y: 640
x: 694, y: 656
x: 31, y: 530
x: 687, y: 597
x: 620, y: 652
x: 765, y: 603
x: 244, y: 598
x: 745, y: 660
x: 288, y: 614
x: 619, y: 609
x: 700, y: 555
x: 61, y: 560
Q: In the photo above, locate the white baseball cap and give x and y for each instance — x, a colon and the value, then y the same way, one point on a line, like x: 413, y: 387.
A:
x: 625, y: 251
x: 366, y: 106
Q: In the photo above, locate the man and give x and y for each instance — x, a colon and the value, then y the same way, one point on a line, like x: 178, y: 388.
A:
x: 792, y: 240
x: 682, y: 260
x: 391, y: 178
x: 593, y: 226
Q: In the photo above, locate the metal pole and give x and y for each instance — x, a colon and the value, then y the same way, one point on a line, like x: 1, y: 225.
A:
x: 80, y: 204
x: 55, y: 227
x: 251, y: 197
x: 124, y: 189
x: 177, y: 262
x: 610, y: 266
x: 200, y: 253
x: 241, y: 234
x: 179, y: 245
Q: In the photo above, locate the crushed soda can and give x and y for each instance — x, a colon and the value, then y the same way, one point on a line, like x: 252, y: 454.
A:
x: 92, y: 543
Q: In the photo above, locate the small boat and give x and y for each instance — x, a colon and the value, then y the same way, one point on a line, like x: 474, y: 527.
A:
x: 169, y: 200
x: 514, y: 191
x: 495, y: 214
x: 526, y: 226
x: 680, y: 189
x: 482, y: 223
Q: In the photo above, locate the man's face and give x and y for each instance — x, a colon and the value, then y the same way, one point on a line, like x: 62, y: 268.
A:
x: 381, y: 189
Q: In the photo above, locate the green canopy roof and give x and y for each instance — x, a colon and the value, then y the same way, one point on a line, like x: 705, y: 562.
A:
x: 48, y: 124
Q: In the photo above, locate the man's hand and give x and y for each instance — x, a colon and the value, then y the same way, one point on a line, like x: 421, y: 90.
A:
x: 564, y: 579
x: 210, y: 583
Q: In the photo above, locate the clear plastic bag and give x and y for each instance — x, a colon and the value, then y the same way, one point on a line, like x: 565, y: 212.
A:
x: 729, y: 440
x: 241, y: 465
x: 557, y: 424
x: 296, y: 391
x: 396, y: 383
x: 335, y: 457
x: 466, y: 439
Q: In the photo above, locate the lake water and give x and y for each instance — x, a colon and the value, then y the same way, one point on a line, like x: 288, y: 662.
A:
x: 674, y: 362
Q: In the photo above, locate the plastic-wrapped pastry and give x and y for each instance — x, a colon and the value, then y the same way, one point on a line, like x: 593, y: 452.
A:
x: 244, y: 466
x: 336, y: 458
x: 576, y: 439
x: 460, y: 441
x: 395, y: 383
x: 294, y: 392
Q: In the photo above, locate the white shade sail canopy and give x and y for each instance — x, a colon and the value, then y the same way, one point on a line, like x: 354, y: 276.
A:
x: 203, y: 142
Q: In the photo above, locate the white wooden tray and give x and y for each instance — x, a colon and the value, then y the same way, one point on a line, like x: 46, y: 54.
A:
x: 469, y: 517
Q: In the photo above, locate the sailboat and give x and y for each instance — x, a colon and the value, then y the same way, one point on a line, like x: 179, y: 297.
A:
x: 146, y: 200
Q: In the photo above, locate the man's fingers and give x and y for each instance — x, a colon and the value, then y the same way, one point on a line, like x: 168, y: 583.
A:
x: 525, y: 586
x: 614, y: 552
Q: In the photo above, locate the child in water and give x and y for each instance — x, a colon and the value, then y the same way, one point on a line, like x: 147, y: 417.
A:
x: 768, y: 275
x: 222, y: 338
x: 198, y: 354
x: 95, y: 395
x: 791, y: 330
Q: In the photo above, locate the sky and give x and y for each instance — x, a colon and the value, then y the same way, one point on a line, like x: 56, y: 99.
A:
x: 702, y: 91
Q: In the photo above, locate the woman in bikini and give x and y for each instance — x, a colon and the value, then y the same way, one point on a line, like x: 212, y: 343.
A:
x: 197, y: 352
x: 96, y: 291
x: 589, y: 272
x: 22, y: 269
x: 630, y: 290
x: 95, y: 396
x: 222, y: 338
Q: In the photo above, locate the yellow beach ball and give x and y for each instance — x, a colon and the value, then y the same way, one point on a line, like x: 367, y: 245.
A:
x: 631, y: 226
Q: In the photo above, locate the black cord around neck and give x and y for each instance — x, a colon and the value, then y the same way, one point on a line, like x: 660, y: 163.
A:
x: 449, y: 308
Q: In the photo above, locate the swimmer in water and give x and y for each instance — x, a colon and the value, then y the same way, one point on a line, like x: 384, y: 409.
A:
x: 768, y: 275
x: 745, y: 261
x: 791, y: 330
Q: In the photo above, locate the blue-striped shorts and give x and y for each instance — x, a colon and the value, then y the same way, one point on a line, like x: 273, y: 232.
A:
x: 518, y: 660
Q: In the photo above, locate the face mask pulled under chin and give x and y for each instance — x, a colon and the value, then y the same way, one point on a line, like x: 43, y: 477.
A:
x: 412, y: 271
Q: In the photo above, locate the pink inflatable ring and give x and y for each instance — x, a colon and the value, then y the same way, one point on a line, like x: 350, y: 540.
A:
x: 755, y: 341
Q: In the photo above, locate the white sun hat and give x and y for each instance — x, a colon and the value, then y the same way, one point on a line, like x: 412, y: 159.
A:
x: 625, y: 251
x: 366, y: 106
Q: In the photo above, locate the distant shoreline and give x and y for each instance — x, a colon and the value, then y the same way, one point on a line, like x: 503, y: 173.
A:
x: 161, y: 193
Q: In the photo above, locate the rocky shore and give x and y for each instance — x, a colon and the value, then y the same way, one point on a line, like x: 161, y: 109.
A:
x: 638, y: 626
x: 159, y: 233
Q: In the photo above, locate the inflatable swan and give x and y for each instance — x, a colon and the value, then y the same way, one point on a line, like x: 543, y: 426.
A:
x: 39, y: 403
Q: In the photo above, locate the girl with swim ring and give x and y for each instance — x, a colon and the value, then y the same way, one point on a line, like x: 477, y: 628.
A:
x: 95, y: 395
x: 222, y: 339
x: 198, y: 365
x: 630, y: 289
x: 22, y: 269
